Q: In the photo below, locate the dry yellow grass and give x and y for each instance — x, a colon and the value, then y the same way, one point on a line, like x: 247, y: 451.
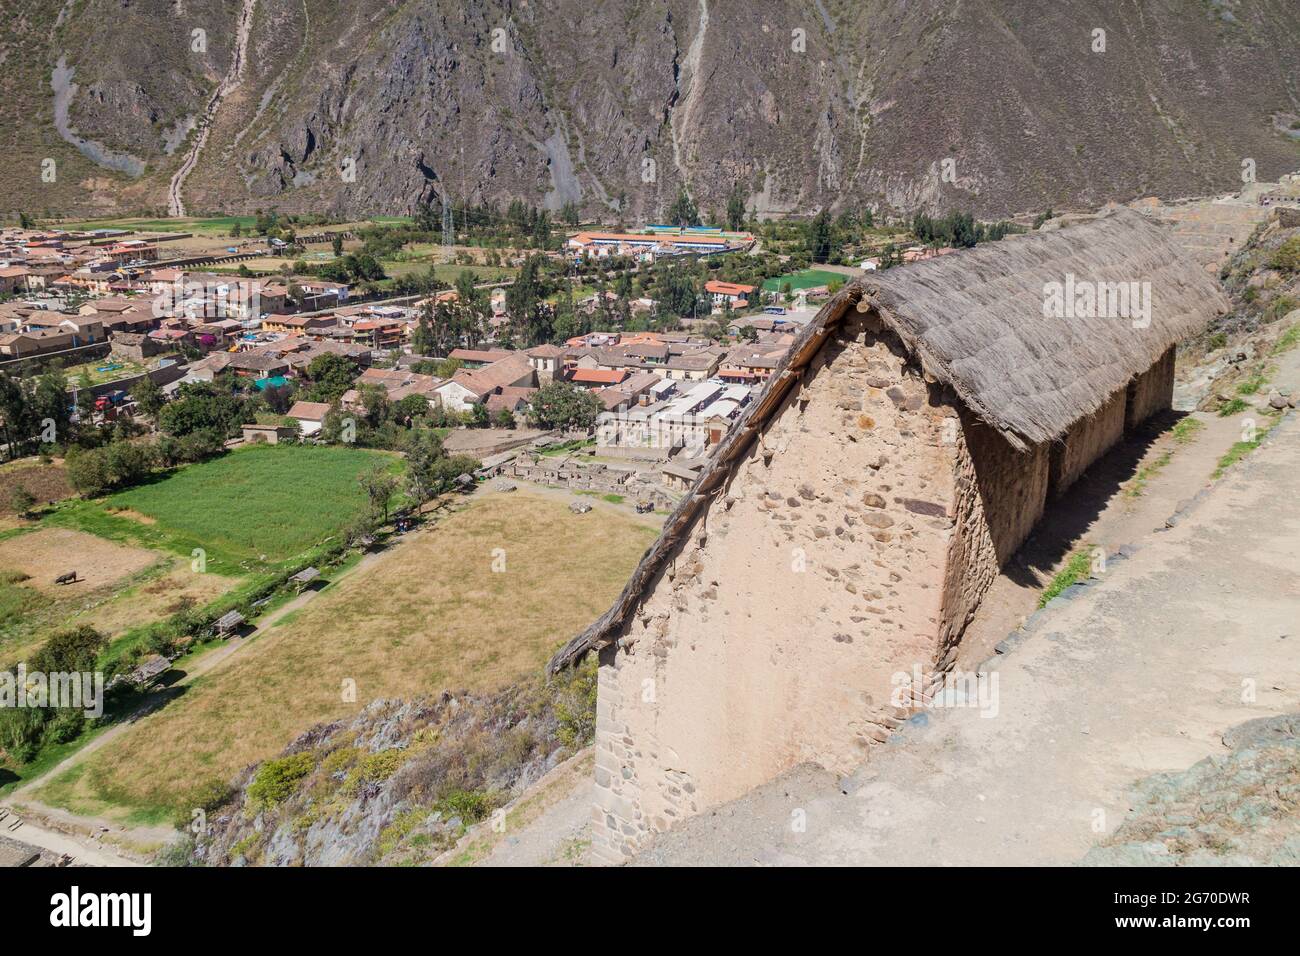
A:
x: 429, y: 615
x: 174, y: 590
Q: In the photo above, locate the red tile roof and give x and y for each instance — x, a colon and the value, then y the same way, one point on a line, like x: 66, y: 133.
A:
x: 599, y: 376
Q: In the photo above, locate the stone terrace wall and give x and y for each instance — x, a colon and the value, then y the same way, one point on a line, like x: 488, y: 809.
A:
x: 774, y: 636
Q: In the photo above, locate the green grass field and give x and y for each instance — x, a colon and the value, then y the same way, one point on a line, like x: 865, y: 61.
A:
x: 807, y: 279
x: 274, y: 500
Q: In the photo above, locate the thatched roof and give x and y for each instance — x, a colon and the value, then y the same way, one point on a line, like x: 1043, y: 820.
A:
x: 975, y: 321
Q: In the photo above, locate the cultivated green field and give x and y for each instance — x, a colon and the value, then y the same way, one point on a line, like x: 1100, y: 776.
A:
x: 807, y: 279
x: 272, y: 500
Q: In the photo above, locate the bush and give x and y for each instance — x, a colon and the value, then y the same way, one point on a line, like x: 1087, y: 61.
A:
x: 1286, y: 258
x: 277, y: 780
x: 470, y: 805
x: 575, y: 709
x: 96, y: 471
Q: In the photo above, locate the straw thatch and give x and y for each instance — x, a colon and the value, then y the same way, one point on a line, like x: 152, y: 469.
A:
x: 974, y: 320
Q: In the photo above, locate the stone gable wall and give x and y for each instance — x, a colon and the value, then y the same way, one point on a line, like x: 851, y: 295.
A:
x: 775, y: 635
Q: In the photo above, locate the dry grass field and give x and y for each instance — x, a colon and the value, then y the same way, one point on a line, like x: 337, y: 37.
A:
x: 121, y: 587
x: 429, y: 615
x: 45, y: 483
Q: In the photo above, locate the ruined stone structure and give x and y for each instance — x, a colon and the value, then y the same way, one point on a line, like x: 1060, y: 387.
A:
x: 847, y: 528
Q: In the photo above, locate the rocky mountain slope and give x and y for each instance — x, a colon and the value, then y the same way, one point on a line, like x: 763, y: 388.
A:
x: 371, y: 106
x: 399, y: 783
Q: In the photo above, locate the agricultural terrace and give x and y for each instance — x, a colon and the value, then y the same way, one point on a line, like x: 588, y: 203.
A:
x: 424, y: 617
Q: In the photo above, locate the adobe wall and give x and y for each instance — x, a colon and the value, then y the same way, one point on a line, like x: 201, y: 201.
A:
x: 773, y: 636
x: 1000, y: 495
x: 1151, y: 392
x: 1086, y: 441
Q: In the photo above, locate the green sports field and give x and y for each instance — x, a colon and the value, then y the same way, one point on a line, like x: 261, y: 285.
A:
x: 807, y: 279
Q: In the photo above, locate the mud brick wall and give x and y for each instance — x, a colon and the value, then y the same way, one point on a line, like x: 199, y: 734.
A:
x: 774, y: 635
x: 1086, y: 441
x: 1150, y: 392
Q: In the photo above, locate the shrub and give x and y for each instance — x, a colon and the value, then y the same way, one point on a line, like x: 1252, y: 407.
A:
x: 575, y: 709
x: 470, y: 805
x: 277, y: 780
x: 1286, y: 257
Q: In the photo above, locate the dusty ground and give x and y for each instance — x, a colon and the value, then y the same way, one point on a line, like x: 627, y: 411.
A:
x: 176, y: 589
x: 1141, y: 673
x: 45, y: 554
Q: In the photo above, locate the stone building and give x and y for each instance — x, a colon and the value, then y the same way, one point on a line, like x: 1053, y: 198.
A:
x: 846, y: 529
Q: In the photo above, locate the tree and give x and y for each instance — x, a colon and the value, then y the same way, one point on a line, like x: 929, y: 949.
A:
x: 411, y: 407
x: 69, y: 651
x: 95, y: 471
x: 25, y: 221
x: 562, y: 405
x: 148, y: 396
x: 423, y: 452
x: 336, y: 245
x: 473, y: 307
x: 374, y: 398
x: 203, y: 406
x: 16, y: 420
x: 380, y: 486
x: 821, y: 237
x: 530, y: 318
x: 330, y: 375
x: 504, y: 418
x: 683, y: 211
x: 736, y: 208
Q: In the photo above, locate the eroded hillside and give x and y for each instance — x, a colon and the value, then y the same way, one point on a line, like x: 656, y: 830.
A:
x: 370, y: 106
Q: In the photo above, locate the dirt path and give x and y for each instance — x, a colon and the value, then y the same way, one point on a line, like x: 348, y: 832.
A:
x: 1141, y: 673
x: 83, y: 851
x: 1108, y: 508
x: 232, y: 79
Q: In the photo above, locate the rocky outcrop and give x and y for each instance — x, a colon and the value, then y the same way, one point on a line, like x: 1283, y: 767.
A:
x: 1238, y: 809
x: 401, y: 781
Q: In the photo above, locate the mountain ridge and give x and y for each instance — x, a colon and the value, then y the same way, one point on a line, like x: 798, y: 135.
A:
x: 372, y: 107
